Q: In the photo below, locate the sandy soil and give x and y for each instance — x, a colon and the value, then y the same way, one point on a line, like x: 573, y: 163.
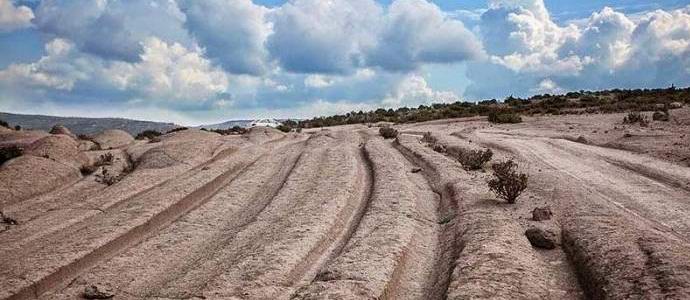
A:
x: 344, y: 214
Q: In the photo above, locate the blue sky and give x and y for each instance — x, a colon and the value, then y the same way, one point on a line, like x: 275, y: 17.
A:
x: 195, y: 62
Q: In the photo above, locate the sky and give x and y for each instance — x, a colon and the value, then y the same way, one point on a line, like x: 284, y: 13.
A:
x: 204, y: 61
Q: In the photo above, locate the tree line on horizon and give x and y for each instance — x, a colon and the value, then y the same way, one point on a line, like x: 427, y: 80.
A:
x: 606, y: 101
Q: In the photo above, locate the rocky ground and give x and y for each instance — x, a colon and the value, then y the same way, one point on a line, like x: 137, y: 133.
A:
x: 341, y: 213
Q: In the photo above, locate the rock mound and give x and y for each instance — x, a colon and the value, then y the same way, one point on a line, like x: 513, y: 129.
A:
x: 112, y: 139
x: 263, y: 134
x: 190, y: 149
x: 27, y: 176
x: 21, y: 138
x: 60, y: 148
x: 59, y: 129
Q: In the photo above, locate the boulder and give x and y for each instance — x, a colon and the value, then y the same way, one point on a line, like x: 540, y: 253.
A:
x: 540, y: 238
x: 541, y: 214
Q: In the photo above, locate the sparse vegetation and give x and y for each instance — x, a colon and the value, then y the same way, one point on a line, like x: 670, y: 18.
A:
x: 504, y: 118
x: 8, y: 153
x: 508, y: 183
x: 104, y: 160
x: 4, y: 124
x: 474, y: 159
x: 429, y: 139
x: 148, y: 134
x: 636, y: 117
x: 284, y: 128
x: 609, y: 101
x: 177, y: 129
x: 5, y: 219
x: 388, y: 132
x: 229, y: 131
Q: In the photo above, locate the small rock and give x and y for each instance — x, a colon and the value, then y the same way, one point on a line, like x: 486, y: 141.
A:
x: 92, y: 292
x: 541, y: 214
x: 416, y: 170
x: 540, y: 238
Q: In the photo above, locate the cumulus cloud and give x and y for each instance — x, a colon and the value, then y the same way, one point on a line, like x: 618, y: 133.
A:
x: 233, y: 32
x: 14, y: 17
x: 529, y: 52
x: 338, y: 37
x: 169, y: 71
x: 226, y: 57
x: 417, y: 32
x: 414, y: 90
x: 314, y: 36
x: 60, y: 68
x: 112, y: 29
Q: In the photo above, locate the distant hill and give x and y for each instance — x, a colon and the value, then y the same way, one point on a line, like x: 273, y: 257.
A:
x: 227, y: 124
x: 84, y: 125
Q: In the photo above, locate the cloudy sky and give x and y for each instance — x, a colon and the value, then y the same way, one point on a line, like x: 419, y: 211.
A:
x: 202, y: 61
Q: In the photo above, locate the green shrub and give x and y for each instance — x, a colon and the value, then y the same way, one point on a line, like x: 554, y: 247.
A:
x: 661, y: 116
x: 474, y: 159
x: 284, y: 128
x: 148, y: 134
x: 177, y: 129
x: 388, y: 132
x: 4, y: 124
x: 8, y: 153
x: 508, y: 183
x: 504, y: 118
x: 17, y: 127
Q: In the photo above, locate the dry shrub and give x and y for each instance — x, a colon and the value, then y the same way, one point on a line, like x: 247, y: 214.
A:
x: 636, y: 117
x: 388, y: 132
x: 104, y: 160
x: 429, y: 139
x: 5, y: 219
x: 474, y: 159
x: 508, y: 183
x: 439, y: 148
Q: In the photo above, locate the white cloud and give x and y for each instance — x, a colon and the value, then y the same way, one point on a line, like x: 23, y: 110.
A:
x: 14, y: 17
x: 609, y: 49
x: 112, y: 29
x: 318, y: 81
x: 169, y: 71
x: 234, y: 32
x: 414, y: 90
x: 315, y: 36
x: 417, y: 32
x: 60, y: 68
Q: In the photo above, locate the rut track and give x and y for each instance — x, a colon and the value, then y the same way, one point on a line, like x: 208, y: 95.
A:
x: 621, y: 184
x: 133, y: 236
x: 346, y: 224
x: 260, y: 201
x: 244, y: 256
x: 446, y: 251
